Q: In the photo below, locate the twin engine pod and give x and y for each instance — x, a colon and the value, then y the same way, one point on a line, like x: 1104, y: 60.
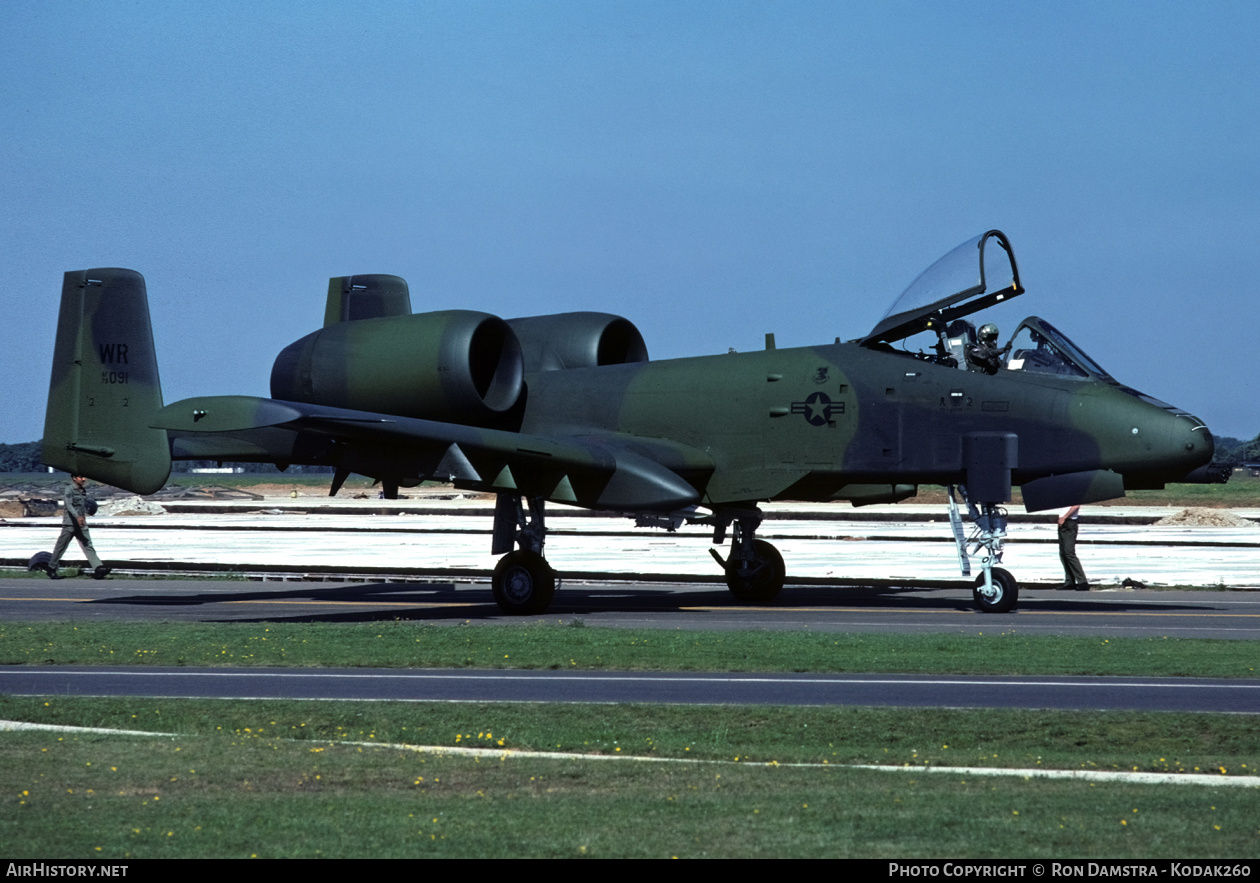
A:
x: 454, y: 366
x: 578, y: 340
x: 449, y: 365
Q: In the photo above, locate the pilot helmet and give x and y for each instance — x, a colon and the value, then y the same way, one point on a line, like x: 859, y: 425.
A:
x: 988, y: 333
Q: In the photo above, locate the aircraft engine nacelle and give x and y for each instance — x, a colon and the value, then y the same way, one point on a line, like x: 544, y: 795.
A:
x: 578, y: 340
x: 455, y: 365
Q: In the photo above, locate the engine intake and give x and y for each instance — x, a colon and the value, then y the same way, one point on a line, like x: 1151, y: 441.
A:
x: 578, y: 340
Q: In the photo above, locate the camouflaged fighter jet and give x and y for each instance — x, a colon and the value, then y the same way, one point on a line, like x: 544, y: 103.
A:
x: 567, y: 408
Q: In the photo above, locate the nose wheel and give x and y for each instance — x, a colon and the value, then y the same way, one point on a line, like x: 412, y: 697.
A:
x: 995, y: 590
x: 1000, y: 595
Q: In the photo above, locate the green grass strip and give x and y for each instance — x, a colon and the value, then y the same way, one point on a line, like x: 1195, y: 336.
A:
x: 1141, y: 741
x: 552, y: 646
x: 273, y: 779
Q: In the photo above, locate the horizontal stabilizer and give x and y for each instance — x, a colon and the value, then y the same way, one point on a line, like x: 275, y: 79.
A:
x: 224, y: 414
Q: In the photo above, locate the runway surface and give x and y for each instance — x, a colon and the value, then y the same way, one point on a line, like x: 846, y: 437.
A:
x: 953, y: 691
x: 887, y: 609
x: 894, y: 571
x: 820, y: 543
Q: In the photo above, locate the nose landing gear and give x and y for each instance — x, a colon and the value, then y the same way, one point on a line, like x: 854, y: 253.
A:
x: 996, y: 590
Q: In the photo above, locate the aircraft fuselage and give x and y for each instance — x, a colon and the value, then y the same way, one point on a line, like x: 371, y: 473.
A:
x: 802, y: 423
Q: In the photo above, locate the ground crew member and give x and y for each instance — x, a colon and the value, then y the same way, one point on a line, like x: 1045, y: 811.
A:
x: 74, y: 524
x: 1074, y: 574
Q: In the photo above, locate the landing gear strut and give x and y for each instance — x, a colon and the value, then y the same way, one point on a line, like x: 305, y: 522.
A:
x: 996, y: 590
x: 755, y: 570
x: 523, y: 581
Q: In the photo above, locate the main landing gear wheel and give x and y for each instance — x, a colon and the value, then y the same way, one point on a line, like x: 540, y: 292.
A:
x: 523, y: 583
x: 760, y: 579
x: 1001, y: 597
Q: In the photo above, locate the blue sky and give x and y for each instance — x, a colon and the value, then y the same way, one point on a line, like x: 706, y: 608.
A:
x: 710, y: 170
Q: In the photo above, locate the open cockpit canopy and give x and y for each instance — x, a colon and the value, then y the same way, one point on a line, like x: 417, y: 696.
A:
x: 977, y: 274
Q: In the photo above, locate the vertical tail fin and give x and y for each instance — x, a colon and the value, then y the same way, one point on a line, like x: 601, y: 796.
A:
x: 370, y: 296
x: 105, y: 388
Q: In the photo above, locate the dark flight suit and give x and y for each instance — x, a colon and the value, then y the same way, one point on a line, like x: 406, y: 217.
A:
x: 1073, y: 573
x: 76, y: 508
x: 986, y: 357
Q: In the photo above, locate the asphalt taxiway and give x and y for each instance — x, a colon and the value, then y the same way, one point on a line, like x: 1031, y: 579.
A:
x: 880, y: 568
x: 884, y: 569
x: 690, y: 688
x: 626, y: 604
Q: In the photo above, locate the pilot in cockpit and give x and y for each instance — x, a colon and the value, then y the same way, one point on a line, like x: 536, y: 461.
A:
x: 985, y: 355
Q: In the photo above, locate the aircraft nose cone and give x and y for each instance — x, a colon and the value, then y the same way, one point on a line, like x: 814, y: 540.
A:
x: 1187, y: 443
x: 1149, y: 441
x: 1200, y: 439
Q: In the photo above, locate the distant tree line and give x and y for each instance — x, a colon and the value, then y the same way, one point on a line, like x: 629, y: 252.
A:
x: 21, y: 458
x: 1235, y: 451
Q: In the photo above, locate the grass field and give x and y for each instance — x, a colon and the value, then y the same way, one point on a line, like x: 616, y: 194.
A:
x: 318, y: 779
x: 275, y: 779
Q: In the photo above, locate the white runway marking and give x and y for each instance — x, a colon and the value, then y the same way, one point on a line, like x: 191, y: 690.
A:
x: 510, y: 753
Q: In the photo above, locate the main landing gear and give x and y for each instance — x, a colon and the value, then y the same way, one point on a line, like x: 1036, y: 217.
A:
x: 754, y: 570
x: 523, y: 581
x: 996, y: 590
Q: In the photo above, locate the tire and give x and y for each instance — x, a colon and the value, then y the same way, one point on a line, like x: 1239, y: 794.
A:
x: 39, y: 561
x: 761, y: 579
x: 523, y: 583
x: 1005, y: 592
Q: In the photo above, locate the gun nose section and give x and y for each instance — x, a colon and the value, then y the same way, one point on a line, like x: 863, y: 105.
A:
x: 1189, y: 442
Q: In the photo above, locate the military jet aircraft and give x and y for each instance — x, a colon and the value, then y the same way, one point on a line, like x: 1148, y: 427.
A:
x: 568, y: 408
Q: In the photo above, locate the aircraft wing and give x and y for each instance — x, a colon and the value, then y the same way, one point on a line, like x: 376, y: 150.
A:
x: 603, y: 471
